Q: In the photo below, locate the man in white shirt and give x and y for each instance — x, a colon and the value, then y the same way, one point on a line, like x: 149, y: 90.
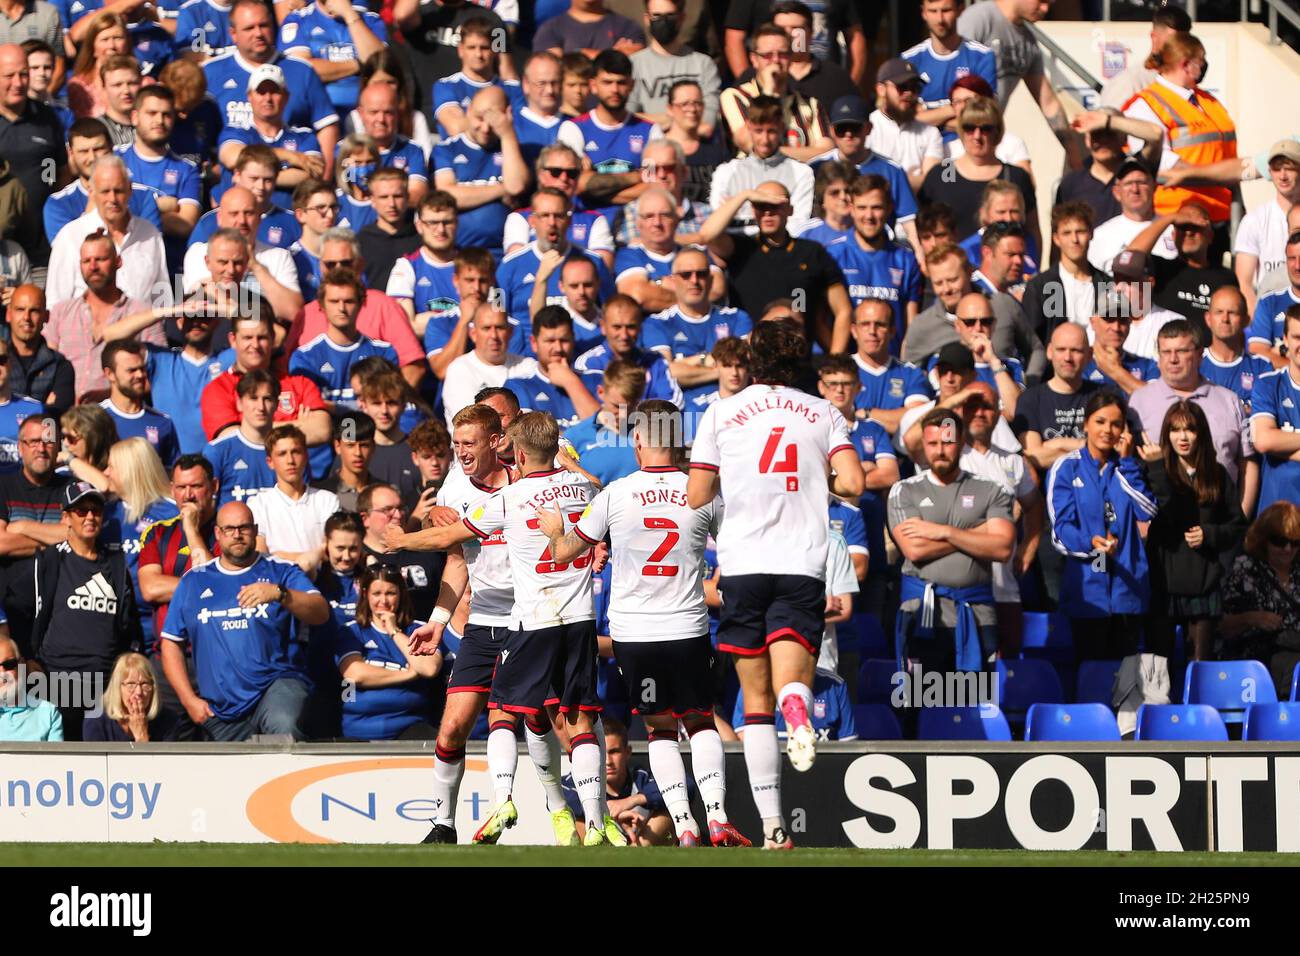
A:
x: 1260, y: 246
x: 269, y: 270
x: 139, y: 244
x: 291, y: 516
x: 896, y: 133
x: 764, y: 163
x: 1135, y: 190
x: 489, y: 364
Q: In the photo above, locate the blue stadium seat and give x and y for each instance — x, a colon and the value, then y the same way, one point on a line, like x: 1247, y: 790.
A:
x: 1295, y: 677
x: 872, y: 641
x: 1025, y: 683
x: 1180, y: 722
x: 875, y: 680
x: 1047, y: 636
x: 876, y: 722
x: 1095, y: 681
x: 1071, y: 722
x: 1272, y: 722
x: 1228, y: 687
x: 962, y: 723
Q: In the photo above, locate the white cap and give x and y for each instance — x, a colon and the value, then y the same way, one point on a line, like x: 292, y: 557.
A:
x: 267, y: 71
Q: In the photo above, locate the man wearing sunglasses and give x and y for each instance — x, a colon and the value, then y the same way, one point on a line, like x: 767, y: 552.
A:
x: 850, y: 128
x: 1267, y: 334
x: 1275, y: 420
x: 799, y: 119
x: 1112, y: 365
x: 559, y: 167
x: 1184, y: 284
x: 975, y: 324
x: 239, y: 613
x: 86, y: 613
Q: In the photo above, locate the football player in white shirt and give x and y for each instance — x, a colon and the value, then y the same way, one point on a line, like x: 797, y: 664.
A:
x: 767, y: 451
x: 552, y: 641
x: 476, y: 437
x: 657, y: 615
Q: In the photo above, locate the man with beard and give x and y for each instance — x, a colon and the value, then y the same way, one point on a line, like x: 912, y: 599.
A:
x: 151, y: 162
x: 896, y: 133
x: 538, y: 261
x: 946, y: 618
x: 124, y: 366
x: 238, y: 612
x: 610, y: 138
x: 483, y: 169
x: 71, y: 329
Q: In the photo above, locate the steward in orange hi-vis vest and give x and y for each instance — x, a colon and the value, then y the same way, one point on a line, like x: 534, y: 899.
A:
x: 1199, y: 134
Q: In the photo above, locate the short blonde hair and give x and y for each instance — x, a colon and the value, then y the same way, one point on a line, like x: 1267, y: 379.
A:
x: 982, y: 111
x: 127, y: 664
x: 537, y: 434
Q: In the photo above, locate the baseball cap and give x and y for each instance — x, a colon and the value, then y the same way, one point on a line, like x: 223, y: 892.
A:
x: 1131, y: 265
x: 897, y: 71
x: 850, y: 109
x: 79, y: 491
x: 1131, y: 163
x: 1287, y: 149
x: 957, y: 357
x: 265, y: 72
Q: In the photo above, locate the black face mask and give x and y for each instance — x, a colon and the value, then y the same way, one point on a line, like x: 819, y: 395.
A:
x: 664, y: 31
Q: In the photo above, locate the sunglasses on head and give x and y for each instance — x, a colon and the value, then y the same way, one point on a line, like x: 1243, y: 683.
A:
x: 1282, y: 541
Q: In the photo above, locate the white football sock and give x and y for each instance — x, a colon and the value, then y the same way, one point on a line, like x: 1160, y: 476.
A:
x: 503, y: 759
x: 670, y: 774
x: 710, y: 763
x: 598, y: 728
x: 588, y: 778
x: 448, y: 769
x: 763, y: 762
x: 544, y: 751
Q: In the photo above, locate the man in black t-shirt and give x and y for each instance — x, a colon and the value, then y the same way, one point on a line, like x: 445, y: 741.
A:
x: 380, y: 504
x: 392, y: 235
x: 1184, y: 285
x: 1049, y: 417
x: 774, y: 265
x: 31, y: 508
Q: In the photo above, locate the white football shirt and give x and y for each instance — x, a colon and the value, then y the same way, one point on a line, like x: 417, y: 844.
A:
x: 771, y: 448
x: 491, y: 589
x: 547, y: 594
x: 657, y: 549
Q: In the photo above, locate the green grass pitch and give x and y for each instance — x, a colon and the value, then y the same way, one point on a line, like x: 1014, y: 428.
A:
x: 232, y: 854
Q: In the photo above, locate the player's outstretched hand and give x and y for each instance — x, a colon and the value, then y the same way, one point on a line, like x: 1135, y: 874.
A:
x: 427, y: 638
x: 550, y: 521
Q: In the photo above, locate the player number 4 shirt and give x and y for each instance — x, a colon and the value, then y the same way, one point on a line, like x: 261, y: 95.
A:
x: 770, y: 446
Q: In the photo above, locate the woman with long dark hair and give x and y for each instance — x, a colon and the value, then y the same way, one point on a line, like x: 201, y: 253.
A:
x: 1199, y: 521
x: 1096, y: 497
x: 389, y: 693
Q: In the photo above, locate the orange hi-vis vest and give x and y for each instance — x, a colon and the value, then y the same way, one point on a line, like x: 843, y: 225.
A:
x: 1199, y: 134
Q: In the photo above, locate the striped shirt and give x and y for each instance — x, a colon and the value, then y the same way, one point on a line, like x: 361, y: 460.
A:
x: 163, y: 543
x: 805, y: 120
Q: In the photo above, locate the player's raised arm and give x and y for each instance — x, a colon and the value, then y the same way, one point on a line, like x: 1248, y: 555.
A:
x: 564, y: 547
x: 430, y: 539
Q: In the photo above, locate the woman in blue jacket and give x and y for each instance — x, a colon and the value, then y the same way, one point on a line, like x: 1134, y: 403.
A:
x: 1096, y: 497
x: 388, y: 692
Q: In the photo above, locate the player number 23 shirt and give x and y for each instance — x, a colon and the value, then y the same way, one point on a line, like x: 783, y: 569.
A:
x: 547, y: 593
x: 771, y: 448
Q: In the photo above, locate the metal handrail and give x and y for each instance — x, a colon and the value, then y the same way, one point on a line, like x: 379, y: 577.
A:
x: 1276, y: 8
x: 1059, y: 53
